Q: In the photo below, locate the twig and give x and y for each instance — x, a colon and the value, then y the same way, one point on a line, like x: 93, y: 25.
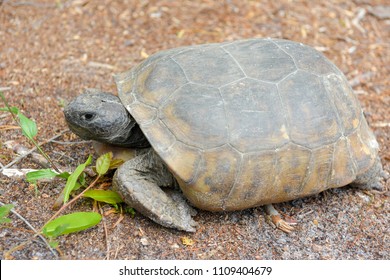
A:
x: 117, y: 250
x: 32, y: 150
x: 35, y: 157
x: 9, y: 127
x: 100, y: 65
x: 13, y: 172
x: 17, y: 228
x: 105, y: 232
x: 62, y: 155
x: 32, y: 4
x: 356, y: 21
x: 381, y: 124
x: 73, y: 200
x: 45, y: 5
x: 70, y: 142
x: 32, y: 228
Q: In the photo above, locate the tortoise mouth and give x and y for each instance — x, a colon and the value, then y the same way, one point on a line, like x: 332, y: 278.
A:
x: 89, y: 126
x: 119, y: 130
x: 96, y: 116
x: 102, y: 117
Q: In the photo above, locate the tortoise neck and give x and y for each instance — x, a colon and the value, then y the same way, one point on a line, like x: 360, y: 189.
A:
x: 136, y: 138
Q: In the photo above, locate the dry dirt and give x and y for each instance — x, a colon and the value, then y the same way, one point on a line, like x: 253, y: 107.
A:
x: 51, y: 50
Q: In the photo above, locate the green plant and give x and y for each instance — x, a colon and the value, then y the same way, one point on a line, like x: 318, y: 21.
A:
x: 28, y: 126
x: 4, y: 211
x: 74, y: 222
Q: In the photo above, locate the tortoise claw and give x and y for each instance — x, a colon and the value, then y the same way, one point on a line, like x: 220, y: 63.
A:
x: 282, y: 224
x: 277, y: 220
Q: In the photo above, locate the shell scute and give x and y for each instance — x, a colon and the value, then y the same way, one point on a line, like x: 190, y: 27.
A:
x: 250, y: 122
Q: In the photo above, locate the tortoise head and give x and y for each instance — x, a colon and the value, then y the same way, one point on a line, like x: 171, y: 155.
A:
x: 100, y: 116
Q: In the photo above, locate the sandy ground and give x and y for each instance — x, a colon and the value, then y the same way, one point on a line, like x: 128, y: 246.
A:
x: 50, y: 52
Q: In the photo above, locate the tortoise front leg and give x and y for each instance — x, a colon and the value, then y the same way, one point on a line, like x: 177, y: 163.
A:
x: 277, y: 219
x: 138, y: 181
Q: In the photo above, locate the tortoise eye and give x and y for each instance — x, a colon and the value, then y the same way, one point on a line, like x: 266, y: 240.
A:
x: 87, y: 116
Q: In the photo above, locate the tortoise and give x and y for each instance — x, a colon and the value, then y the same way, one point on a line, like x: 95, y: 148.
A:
x: 232, y: 126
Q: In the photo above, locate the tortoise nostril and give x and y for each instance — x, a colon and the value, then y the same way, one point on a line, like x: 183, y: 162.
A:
x: 88, y: 116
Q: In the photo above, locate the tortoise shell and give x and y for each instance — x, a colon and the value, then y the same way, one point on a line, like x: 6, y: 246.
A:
x: 251, y: 122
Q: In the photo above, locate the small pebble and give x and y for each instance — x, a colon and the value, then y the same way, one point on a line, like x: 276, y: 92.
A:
x: 144, y: 241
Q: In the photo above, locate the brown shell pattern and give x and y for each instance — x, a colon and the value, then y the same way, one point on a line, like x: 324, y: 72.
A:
x: 250, y: 122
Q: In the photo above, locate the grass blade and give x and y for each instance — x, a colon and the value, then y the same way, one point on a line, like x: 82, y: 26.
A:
x: 71, y: 183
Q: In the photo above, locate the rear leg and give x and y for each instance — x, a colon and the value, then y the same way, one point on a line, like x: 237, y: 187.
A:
x: 370, y: 180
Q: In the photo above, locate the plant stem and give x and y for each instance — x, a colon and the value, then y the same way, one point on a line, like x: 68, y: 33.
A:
x: 72, y: 201
x: 31, y: 139
x: 45, y: 155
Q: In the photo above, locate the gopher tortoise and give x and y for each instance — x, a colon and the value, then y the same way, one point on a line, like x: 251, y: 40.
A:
x: 233, y: 125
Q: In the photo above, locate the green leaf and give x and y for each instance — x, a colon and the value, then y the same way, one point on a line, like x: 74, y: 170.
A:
x: 103, y: 163
x: 71, y: 223
x: 81, y: 181
x: 64, y: 175
x: 130, y: 211
x: 34, y: 176
x: 4, y: 211
x: 53, y: 244
x: 60, y: 199
x: 5, y: 220
x: 29, y: 127
x: 71, y: 183
x: 12, y: 109
x: 115, y: 163
x: 110, y: 197
x: 57, y: 231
